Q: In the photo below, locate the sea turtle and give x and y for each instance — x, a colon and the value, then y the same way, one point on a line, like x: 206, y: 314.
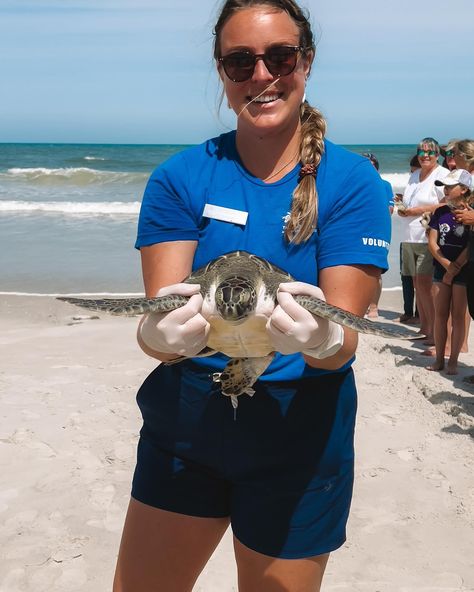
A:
x: 239, y: 292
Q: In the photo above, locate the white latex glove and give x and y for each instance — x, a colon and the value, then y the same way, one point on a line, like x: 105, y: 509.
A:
x: 292, y: 328
x: 183, y: 331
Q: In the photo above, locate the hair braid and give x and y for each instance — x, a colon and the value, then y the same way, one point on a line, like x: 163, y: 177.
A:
x: 304, y: 210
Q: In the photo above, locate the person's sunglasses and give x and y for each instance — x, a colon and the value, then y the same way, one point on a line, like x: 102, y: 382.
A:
x: 280, y: 60
x: 449, y: 153
x: 426, y: 153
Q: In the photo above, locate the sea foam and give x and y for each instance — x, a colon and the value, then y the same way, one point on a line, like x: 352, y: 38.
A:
x: 72, y: 208
x: 398, y: 181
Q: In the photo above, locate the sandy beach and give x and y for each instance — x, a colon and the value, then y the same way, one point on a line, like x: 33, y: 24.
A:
x: 67, y: 444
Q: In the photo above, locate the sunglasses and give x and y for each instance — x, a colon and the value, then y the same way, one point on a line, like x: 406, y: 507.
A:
x: 449, y: 153
x: 280, y: 60
x: 426, y: 153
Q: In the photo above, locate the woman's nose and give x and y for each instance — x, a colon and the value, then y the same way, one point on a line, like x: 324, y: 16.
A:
x: 261, y: 72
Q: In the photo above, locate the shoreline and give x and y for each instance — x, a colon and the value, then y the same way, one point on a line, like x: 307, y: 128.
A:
x: 111, y: 294
x: 67, y: 450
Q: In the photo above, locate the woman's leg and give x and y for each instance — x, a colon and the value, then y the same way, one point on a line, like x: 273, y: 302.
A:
x: 442, y: 304
x: 408, y: 292
x: 458, y: 313
x: 373, y: 310
x: 467, y: 326
x: 162, y: 550
x: 424, y: 301
x: 262, y: 573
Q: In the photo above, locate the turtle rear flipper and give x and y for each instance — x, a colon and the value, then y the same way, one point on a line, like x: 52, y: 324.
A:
x: 129, y: 306
x: 240, y: 375
x: 343, y: 317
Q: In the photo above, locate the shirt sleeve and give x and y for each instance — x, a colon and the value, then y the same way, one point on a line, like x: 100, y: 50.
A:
x: 166, y: 213
x: 434, y: 219
x: 357, y: 230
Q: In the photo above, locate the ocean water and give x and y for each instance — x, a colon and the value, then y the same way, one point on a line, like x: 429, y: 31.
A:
x: 68, y: 214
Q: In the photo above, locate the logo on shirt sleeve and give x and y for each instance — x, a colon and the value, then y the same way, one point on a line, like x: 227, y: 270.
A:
x: 375, y: 242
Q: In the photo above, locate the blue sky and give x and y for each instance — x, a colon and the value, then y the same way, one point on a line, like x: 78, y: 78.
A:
x: 140, y: 71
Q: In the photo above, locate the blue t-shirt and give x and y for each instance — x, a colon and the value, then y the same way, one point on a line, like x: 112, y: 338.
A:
x: 353, y: 220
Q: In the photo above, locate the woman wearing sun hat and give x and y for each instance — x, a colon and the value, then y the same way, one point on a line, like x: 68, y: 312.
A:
x: 421, y: 195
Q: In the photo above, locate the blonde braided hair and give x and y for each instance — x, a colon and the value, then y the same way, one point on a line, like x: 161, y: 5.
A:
x: 304, y: 209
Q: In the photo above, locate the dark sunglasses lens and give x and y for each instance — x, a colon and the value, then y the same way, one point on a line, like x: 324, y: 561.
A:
x: 281, y: 61
x: 239, y: 66
x: 449, y: 153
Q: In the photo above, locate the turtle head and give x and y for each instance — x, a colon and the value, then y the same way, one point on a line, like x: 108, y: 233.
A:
x: 236, y: 298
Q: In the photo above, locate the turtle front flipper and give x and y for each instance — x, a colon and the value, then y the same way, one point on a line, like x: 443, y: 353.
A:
x: 240, y: 375
x: 129, y: 306
x: 320, y: 308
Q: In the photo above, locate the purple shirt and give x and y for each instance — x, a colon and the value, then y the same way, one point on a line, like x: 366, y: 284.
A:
x: 452, y: 236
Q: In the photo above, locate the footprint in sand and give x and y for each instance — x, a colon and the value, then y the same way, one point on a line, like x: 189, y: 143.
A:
x: 406, y: 454
x: 110, y: 513
x: 375, y: 472
x: 387, y: 419
x: 437, y: 479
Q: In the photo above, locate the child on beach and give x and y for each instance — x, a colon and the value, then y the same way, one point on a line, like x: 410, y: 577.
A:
x: 280, y: 472
x: 447, y: 242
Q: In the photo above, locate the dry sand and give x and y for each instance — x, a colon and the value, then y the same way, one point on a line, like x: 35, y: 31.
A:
x: 67, y: 444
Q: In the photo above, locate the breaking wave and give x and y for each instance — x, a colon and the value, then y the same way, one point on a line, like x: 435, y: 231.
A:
x: 72, y: 176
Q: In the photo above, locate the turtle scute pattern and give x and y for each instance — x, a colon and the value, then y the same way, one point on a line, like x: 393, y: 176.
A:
x: 233, y: 287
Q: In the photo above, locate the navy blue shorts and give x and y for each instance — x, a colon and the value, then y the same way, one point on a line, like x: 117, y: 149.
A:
x: 282, y: 470
x: 461, y: 278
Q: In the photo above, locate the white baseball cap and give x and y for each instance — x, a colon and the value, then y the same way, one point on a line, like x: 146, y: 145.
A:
x: 456, y: 177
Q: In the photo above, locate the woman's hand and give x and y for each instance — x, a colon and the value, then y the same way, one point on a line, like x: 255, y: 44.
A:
x: 464, y: 216
x: 292, y: 328
x: 183, y: 331
x: 448, y: 278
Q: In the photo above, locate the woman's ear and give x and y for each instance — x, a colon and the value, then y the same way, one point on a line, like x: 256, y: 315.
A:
x: 220, y: 71
x: 308, y: 62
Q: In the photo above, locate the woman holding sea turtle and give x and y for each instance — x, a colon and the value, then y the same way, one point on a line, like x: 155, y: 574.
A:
x: 281, y: 473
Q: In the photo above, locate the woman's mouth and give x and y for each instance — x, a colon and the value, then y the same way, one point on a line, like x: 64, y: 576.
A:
x: 264, y: 98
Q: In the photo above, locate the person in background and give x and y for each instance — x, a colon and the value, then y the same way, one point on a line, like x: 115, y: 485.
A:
x: 464, y: 154
x: 450, y: 162
x: 373, y: 310
x: 464, y: 157
x: 447, y: 152
x: 410, y: 311
x: 447, y: 242
x: 279, y: 469
x: 420, y: 196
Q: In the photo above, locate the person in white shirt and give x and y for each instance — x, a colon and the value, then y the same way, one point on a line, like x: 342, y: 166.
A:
x: 421, y: 195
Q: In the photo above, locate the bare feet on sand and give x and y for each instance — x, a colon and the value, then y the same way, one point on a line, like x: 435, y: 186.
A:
x: 452, y: 368
x: 436, y: 367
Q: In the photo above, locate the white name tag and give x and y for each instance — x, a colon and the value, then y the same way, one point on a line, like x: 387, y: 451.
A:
x: 225, y: 214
